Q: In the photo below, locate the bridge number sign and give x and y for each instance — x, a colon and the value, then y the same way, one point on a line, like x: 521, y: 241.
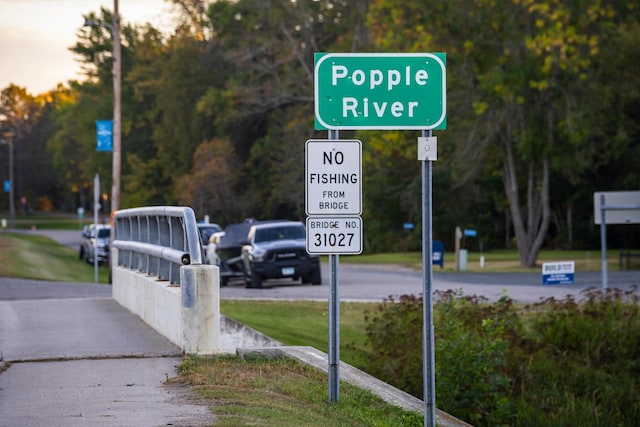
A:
x: 334, y: 235
x: 398, y: 91
x: 334, y: 177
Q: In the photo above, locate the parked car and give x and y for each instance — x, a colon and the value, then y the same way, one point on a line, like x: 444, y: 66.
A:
x: 98, y: 235
x: 261, y: 250
x: 206, y: 230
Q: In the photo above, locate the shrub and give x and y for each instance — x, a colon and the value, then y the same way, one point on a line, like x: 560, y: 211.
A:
x: 394, y: 334
x: 584, y: 365
x: 471, y: 380
x: 555, y: 363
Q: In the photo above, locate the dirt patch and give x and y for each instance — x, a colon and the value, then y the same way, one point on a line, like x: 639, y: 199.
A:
x: 184, y: 393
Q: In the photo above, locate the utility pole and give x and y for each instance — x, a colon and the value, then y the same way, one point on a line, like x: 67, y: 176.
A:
x: 117, y: 103
x: 117, y: 116
x: 12, y: 206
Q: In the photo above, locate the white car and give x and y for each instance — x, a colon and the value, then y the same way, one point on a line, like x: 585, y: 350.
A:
x: 95, y: 237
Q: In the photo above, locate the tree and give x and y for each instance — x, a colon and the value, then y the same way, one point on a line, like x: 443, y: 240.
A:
x: 27, y: 119
x: 211, y: 186
x: 516, y: 71
x: 266, y: 104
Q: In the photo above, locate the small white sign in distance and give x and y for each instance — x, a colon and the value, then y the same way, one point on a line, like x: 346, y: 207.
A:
x: 334, y: 235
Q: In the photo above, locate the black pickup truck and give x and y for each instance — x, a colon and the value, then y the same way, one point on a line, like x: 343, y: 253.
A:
x: 255, y: 251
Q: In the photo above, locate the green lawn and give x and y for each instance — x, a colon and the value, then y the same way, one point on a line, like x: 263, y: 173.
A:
x: 29, y: 256
x: 497, y: 260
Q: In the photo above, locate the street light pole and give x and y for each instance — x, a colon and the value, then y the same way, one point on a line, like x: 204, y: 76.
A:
x: 117, y: 102
x: 12, y: 205
x: 117, y: 116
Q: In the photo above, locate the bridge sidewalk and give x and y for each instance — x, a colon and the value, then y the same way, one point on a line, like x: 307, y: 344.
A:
x: 72, y: 356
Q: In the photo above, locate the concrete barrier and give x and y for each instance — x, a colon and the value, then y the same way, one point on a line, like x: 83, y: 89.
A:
x: 187, y: 315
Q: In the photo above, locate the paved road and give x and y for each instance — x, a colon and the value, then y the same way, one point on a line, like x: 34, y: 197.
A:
x: 370, y: 283
x: 375, y: 283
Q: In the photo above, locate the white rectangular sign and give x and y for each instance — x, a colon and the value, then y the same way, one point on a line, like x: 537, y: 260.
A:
x: 337, y: 235
x: 333, y: 171
x: 558, y: 273
x: 625, y: 207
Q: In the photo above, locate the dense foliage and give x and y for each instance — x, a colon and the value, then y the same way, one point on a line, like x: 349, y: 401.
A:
x: 554, y: 363
x: 542, y: 110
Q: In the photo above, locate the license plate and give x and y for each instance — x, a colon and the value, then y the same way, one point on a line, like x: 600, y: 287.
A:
x: 288, y: 271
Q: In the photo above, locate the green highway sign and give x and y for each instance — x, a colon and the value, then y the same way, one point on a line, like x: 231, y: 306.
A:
x: 398, y: 91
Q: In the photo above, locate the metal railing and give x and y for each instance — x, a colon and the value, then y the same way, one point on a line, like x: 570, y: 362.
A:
x: 157, y: 240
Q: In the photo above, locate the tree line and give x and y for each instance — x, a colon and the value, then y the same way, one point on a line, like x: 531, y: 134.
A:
x: 543, y: 102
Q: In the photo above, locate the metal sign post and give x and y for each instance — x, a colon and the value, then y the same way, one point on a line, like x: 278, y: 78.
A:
x: 386, y: 91
x: 333, y: 203
x: 428, y: 349
x: 334, y: 318
x: 96, y: 200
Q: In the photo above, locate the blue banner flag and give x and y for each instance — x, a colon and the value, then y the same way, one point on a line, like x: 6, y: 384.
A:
x: 104, y: 132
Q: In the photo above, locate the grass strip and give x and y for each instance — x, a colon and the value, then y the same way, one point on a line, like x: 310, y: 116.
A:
x: 282, y: 392
x: 28, y: 256
x: 305, y: 323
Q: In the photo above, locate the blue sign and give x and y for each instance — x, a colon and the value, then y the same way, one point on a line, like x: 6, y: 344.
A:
x: 437, y: 254
x: 408, y: 226
x: 104, y: 132
x: 558, y: 273
x: 7, y: 186
x: 470, y: 233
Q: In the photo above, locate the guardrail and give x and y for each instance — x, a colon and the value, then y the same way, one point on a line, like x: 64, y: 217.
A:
x: 157, y: 240
x: 157, y: 274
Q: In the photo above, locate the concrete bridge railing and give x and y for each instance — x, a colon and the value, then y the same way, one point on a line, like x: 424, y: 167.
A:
x: 158, y: 274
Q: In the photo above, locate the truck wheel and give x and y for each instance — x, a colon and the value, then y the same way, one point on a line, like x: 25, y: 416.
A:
x: 316, y: 277
x: 256, y: 281
x: 252, y: 279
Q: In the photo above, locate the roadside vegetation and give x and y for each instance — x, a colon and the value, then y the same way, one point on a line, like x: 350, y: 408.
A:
x: 283, y: 392
x: 554, y: 363
x: 30, y: 256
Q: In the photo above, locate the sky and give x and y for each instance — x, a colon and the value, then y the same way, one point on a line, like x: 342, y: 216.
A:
x: 35, y: 36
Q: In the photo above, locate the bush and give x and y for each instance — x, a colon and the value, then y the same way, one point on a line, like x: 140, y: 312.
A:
x: 555, y: 363
x: 394, y: 334
x: 585, y: 361
x: 471, y: 380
